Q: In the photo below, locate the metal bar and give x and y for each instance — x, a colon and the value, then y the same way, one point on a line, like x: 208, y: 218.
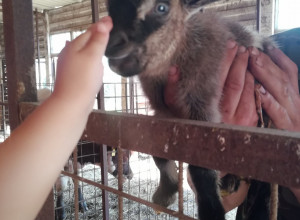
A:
x: 264, y: 154
x: 19, y: 53
x: 38, y: 45
x: 76, y: 183
x: 120, y: 181
x: 258, y: 15
x: 129, y: 197
x: 180, y: 187
x: 95, y: 10
x: 104, y: 181
x: 103, y: 149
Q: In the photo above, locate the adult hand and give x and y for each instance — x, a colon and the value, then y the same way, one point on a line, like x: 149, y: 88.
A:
x: 237, y: 104
x: 280, y: 92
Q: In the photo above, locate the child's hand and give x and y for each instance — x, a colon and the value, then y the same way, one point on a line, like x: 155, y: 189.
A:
x: 79, y: 68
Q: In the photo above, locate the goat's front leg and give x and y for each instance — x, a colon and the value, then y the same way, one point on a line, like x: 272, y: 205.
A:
x: 165, y: 194
x: 206, y: 187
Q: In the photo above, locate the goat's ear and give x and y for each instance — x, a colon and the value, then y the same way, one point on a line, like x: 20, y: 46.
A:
x: 197, y: 3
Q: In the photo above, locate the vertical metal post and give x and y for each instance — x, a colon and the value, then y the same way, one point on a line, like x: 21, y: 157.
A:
x: 47, y: 48
x: 258, y: 15
x: 38, y: 45
x: 103, y: 148
x: 19, y: 52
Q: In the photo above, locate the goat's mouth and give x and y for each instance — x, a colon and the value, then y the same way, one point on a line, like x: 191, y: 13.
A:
x: 127, y: 66
x: 124, y: 61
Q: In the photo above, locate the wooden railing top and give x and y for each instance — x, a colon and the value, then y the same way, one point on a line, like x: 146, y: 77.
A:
x: 264, y: 154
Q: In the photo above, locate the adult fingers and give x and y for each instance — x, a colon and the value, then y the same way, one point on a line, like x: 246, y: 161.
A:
x: 287, y: 65
x: 227, y: 61
x: 246, y: 113
x: 271, y: 77
x: 171, y: 87
x: 275, y: 111
x: 234, y: 84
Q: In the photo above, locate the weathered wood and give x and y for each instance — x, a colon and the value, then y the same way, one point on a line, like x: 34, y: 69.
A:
x: 19, y: 52
x: 70, y: 15
x: 78, y: 24
x: 264, y: 154
x: 230, y: 5
x: 247, y: 16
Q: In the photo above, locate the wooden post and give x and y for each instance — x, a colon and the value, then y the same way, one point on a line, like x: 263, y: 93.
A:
x: 20, y: 59
x: 19, y: 52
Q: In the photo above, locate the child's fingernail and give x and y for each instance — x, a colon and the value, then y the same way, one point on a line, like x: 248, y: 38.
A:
x: 231, y: 44
x: 254, y: 51
x: 259, y: 62
x: 242, y: 49
x: 67, y: 42
x: 105, y: 19
x: 103, y: 23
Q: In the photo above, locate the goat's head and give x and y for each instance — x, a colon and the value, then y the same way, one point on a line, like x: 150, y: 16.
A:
x: 146, y: 32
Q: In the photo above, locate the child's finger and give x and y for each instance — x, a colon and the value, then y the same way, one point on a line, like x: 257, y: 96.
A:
x: 79, y: 42
x: 99, y: 38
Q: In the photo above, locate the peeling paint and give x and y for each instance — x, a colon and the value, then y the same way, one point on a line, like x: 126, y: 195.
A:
x: 247, y: 139
x: 166, y: 149
x: 20, y: 89
x: 298, y: 151
x: 221, y: 139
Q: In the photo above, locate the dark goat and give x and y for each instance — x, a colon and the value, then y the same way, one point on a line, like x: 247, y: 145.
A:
x: 148, y: 37
x: 89, y: 153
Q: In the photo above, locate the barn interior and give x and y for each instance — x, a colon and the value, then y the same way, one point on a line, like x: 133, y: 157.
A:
x: 32, y: 34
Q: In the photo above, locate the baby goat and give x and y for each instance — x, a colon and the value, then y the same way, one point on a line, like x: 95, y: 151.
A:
x: 148, y: 37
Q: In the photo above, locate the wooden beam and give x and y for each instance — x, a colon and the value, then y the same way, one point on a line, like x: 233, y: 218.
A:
x: 264, y: 154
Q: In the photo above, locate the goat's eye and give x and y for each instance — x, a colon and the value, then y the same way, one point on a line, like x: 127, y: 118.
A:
x: 162, y: 8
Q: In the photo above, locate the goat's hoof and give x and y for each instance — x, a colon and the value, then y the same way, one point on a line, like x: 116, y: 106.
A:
x: 163, y: 200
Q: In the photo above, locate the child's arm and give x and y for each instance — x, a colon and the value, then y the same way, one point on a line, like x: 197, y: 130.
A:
x: 32, y: 157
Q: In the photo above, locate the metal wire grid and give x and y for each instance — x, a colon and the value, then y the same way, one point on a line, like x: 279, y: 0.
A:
x: 4, y: 114
x: 142, y: 185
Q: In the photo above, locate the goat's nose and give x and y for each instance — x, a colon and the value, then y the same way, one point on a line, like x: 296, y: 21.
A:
x: 117, y: 40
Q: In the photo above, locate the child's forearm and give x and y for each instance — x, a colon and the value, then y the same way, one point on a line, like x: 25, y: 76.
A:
x: 41, y: 149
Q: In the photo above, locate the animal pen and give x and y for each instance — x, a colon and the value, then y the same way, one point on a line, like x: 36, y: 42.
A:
x: 262, y: 154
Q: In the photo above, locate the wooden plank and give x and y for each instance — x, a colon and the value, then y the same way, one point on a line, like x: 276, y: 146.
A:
x: 227, y: 6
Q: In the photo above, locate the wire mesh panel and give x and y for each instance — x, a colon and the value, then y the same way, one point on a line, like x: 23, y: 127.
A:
x: 4, y: 114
